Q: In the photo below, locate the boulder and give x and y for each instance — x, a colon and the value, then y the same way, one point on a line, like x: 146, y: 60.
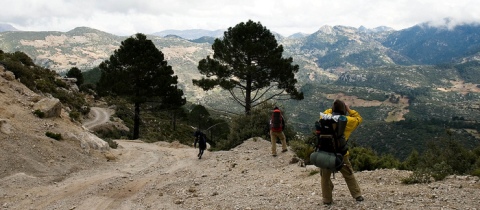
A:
x: 88, y: 141
x: 94, y: 142
x: 71, y: 83
x: 51, y: 107
x: 10, y: 76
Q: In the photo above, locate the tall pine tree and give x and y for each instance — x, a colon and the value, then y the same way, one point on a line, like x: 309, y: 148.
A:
x: 138, y: 71
x: 248, y: 63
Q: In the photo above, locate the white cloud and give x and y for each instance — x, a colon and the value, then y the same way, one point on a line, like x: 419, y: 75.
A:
x: 127, y: 17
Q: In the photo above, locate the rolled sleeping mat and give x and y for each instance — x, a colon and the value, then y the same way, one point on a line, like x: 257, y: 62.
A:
x: 327, y: 160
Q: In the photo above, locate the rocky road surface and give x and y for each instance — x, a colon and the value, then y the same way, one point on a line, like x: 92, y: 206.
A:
x: 170, y: 176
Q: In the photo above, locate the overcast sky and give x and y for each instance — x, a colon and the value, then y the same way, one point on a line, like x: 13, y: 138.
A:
x: 127, y: 17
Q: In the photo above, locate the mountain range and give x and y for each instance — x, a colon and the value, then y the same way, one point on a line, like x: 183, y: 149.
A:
x: 396, y: 79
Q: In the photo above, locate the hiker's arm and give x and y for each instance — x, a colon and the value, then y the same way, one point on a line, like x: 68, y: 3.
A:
x: 354, y: 114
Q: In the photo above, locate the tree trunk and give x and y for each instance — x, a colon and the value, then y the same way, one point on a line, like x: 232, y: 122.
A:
x: 174, y: 120
x: 248, y: 96
x: 136, y: 125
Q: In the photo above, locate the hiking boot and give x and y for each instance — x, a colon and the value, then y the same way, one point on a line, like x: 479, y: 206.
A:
x: 359, y: 198
x: 274, y: 155
x: 327, y: 203
x: 284, y: 150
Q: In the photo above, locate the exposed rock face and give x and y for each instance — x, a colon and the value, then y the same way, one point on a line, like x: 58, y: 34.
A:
x: 51, y: 107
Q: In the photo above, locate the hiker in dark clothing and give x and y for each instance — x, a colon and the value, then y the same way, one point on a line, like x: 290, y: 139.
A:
x: 201, y: 139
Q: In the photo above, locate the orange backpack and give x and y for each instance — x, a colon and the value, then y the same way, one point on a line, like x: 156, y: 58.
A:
x: 276, y: 122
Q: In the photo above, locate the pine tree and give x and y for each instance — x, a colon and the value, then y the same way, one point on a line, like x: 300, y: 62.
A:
x: 138, y: 71
x: 74, y: 72
x: 248, y: 63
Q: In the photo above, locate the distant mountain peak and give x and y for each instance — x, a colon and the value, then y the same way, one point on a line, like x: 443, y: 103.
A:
x: 173, y: 36
x: 191, y: 34
x: 326, y: 29
x: 298, y: 35
x: 7, y: 27
x: 375, y: 30
x: 84, y: 29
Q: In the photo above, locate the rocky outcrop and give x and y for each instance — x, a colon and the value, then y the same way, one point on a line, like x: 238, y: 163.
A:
x: 51, y: 107
x: 8, y: 75
x: 88, y: 141
x: 71, y: 83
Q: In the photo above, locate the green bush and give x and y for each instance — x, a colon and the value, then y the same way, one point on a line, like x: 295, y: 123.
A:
x: 418, y: 176
x: 244, y: 127
x: 426, y: 175
x: 39, y: 113
x: 363, y: 159
x: 388, y: 161
x: 55, y: 136
x: 411, y: 162
x: 74, y: 115
x: 451, y: 152
x: 441, y: 170
x: 111, y: 134
x: 443, y: 157
x: 476, y: 172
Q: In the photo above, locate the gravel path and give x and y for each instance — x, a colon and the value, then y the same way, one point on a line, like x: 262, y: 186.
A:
x: 100, y: 116
x: 169, y: 176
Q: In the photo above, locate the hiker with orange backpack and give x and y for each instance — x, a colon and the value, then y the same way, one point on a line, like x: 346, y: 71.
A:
x: 277, y: 125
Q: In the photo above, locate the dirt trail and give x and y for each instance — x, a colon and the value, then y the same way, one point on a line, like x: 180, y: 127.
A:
x: 170, y: 176
x: 110, y: 186
x: 100, y: 116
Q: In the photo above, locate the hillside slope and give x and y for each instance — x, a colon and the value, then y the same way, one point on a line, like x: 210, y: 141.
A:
x: 24, y: 146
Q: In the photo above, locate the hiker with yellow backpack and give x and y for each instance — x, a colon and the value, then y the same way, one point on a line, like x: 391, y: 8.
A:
x: 331, y: 150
